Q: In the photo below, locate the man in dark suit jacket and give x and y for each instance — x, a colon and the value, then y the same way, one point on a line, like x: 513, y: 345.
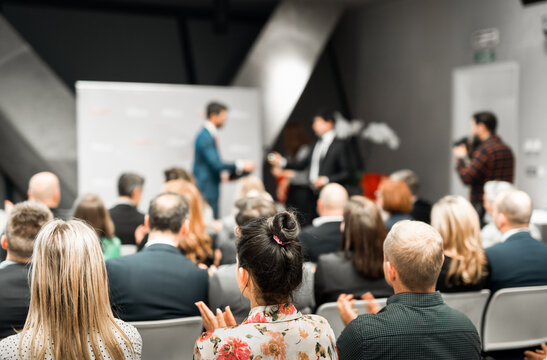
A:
x: 323, y: 236
x: 125, y: 215
x: 208, y: 165
x: 24, y: 222
x: 328, y: 162
x: 158, y: 282
x: 519, y: 260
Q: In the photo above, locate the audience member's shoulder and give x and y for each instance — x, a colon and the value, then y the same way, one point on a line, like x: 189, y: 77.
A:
x: 365, y: 326
x: 129, y: 330
x: 225, y: 270
x: 9, y: 347
x: 458, y: 320
x: 333, y: 257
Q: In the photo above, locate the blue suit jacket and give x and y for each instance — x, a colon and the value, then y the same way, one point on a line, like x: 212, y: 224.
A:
x: 208, y: 166
x: 155, y: 284
x: 519, y: 261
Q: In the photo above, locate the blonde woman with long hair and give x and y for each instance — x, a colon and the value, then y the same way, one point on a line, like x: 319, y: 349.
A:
x: 465, y: 264
x: 70, y: 315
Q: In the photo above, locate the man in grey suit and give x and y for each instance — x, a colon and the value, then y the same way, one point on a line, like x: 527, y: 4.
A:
x: 158, y: 282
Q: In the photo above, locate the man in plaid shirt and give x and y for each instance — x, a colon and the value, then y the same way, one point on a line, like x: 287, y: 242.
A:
x: 491, y: 160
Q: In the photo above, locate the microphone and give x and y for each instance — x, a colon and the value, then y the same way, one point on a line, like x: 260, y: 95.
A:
x: 463, y: 141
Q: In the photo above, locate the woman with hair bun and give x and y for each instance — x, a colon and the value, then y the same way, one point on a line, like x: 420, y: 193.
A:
x: 269, y: 269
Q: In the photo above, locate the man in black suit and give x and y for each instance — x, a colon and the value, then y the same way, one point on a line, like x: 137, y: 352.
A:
x: 328, y: 162
x: 158, y: 282
x: 519, y: 260
x: 421, y: 209
x: 324, y: 235
x: 24, y: 222
x: 125, y: 215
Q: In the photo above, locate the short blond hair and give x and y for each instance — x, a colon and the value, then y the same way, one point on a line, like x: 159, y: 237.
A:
x: 416, y: 250
x: 516, y: 205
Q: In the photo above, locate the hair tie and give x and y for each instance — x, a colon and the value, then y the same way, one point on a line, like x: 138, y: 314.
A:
x: 279, y: 241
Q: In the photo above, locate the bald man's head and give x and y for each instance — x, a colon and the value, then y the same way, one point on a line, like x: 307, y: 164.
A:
x: 44, y: 188
x: 332, y: 199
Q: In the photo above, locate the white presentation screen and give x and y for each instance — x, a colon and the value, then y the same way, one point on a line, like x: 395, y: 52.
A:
x: 147, y: 128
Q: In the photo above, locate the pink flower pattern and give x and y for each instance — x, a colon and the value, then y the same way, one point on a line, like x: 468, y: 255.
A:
x: 270, y: 333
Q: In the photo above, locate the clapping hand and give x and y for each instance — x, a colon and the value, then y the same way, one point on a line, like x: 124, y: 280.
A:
x: 372, y: 306
x: 539, y: 354
x: 212, y: 321
x: 345, y: 307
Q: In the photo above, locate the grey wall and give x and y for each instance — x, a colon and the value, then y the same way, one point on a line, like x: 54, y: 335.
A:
x: 398, y: 58
x: 118, y: 43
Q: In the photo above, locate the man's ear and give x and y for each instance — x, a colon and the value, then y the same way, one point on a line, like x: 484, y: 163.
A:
x: 319, y: 206
x: 4, y: 242
x: 147, y: 221
x: 57, y: 197
x: 237, y: 231
x: 391, y: 272
x: 185, y: 228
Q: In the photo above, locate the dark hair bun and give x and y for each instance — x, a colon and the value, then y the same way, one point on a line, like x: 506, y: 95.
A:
x: 269, y: 249
x: 285, y: 226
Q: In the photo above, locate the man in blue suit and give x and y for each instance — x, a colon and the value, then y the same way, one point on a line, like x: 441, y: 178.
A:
x: 520, y: 260
x: 208, y: 165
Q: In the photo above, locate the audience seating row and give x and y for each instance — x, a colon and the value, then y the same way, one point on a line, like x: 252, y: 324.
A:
x: 168, y: 339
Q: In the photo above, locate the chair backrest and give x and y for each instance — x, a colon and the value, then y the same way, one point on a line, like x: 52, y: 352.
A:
x: 515, y: 318
x: 128, y: 249
x: 330, y: 312
x: 471, y: 303
x: 169, y: 339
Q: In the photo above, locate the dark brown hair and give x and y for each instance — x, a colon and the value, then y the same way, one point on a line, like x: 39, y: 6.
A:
x: 364, y: 234
x: 276, y: 269
x: 91, y: 209
x: 176, y: 173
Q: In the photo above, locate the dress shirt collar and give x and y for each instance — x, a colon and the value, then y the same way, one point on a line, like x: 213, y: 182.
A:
x: 123, y: 201
x: 321, y: 220
x: 416, y: 299
x: 211, y: 128
x: 162, y: 241
x: 4, y: 264
x: 512, y: 232
x: 272, y: 313
x: 327, y: 138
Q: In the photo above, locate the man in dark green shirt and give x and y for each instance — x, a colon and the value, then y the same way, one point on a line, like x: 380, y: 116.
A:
x: 415, y: 323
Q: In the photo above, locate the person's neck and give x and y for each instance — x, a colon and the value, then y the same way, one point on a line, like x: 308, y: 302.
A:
x: 331, y: 212
x: 507, y: 228
x: 212, y: 123
x: 485, y: 136
x: 399, y: 288
x: 11, y: 257
x: 129, y: 199
x: 163, y: 236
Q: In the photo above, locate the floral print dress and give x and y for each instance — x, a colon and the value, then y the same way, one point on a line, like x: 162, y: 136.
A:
x: 275, y: 332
